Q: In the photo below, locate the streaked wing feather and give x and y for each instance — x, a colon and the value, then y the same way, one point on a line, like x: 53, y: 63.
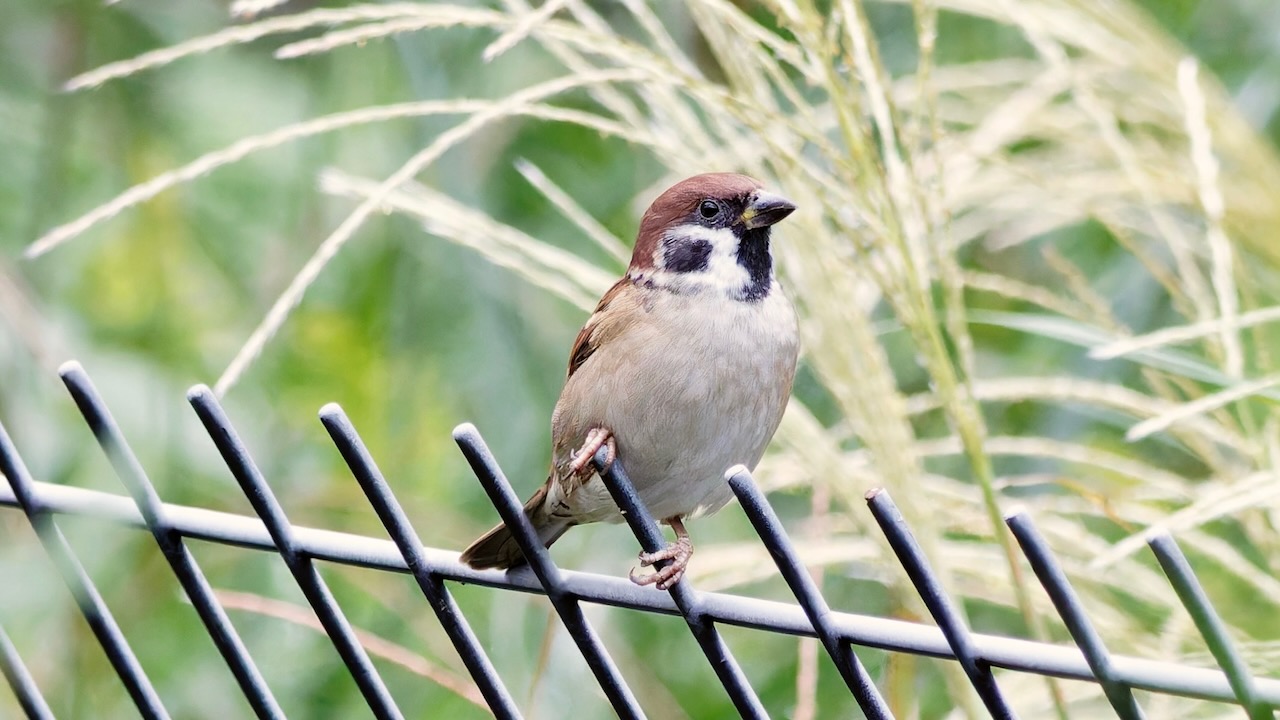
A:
x: 589, y: 337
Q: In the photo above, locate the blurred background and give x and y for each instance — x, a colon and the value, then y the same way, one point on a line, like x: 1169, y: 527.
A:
x: 415, y: 330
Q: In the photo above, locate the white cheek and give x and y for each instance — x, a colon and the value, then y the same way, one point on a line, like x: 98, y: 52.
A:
x: 723, y: 271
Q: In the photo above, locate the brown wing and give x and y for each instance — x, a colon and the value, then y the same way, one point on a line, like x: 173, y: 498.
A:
x: 619, y: 309
x: 588, y: 338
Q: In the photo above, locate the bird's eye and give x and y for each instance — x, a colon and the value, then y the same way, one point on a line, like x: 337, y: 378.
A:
x: 709, y: 209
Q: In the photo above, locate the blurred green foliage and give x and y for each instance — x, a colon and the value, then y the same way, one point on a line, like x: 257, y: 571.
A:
x: 411, y: 335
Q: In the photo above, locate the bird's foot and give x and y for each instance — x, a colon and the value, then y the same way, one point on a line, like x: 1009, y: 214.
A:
x: 596, y: 438
x: 678, y: 553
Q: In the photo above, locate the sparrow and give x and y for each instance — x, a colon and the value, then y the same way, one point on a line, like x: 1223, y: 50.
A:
x: 683, y: 371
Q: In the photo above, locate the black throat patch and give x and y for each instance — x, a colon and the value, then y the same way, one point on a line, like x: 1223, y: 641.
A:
x: 753, y: 254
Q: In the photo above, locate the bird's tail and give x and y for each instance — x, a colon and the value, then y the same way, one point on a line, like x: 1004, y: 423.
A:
x: 498, y: 547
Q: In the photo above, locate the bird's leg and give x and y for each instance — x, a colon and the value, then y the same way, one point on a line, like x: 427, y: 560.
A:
x: 677, y: 552
x: 597, y: 438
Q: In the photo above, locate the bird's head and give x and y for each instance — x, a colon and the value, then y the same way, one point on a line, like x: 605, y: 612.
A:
x: 710, y: 233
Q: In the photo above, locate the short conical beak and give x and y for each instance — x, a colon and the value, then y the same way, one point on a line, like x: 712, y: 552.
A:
x: 766, y: 209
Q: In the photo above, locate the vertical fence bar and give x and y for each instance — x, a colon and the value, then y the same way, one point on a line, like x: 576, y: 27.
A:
x: 769, y: 528
x: 935, y: 599
x: 1073, y: 615
x: 181, y: 561
x: 704, y: 630
x: 511, y: 510
x: 24, y: 687
x: 264, y: 503
x: 393, y: 518
x: 1211, y: 627
x: 90, y: 602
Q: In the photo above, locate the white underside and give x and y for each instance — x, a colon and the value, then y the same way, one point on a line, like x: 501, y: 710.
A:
x: 713, y: 375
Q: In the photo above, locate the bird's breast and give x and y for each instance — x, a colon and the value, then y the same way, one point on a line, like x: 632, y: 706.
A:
x: 696, y: 385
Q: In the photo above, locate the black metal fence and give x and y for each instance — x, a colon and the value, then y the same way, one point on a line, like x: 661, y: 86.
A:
x: 841, y: 634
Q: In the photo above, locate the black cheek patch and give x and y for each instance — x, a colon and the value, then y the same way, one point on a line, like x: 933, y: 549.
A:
x: 687, y: 256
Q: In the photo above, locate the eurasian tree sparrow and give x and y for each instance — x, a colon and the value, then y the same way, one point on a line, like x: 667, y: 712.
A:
x: 683, y: 370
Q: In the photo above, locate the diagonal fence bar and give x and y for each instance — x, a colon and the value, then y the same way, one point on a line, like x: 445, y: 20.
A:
x: 769, y: 528
x: 90, y: 602
x: 300, y: 547
x: 935, y: 598
x: 304, y: 571
x: 1073, y: 615
x: 19, y: 678
x: 562, y: 597
x: 1193, y: 597
x: 182, y: 562
x: 406, y: 538
x: 703, y: 628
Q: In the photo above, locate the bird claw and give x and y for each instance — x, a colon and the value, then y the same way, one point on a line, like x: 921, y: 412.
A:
x: 580, y: 462
x: 677, y: 552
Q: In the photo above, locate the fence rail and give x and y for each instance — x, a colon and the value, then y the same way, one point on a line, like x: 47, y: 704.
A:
x: 842, y: 634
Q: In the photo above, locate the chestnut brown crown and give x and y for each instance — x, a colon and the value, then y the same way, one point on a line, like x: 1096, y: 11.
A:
x: 679, y: 204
